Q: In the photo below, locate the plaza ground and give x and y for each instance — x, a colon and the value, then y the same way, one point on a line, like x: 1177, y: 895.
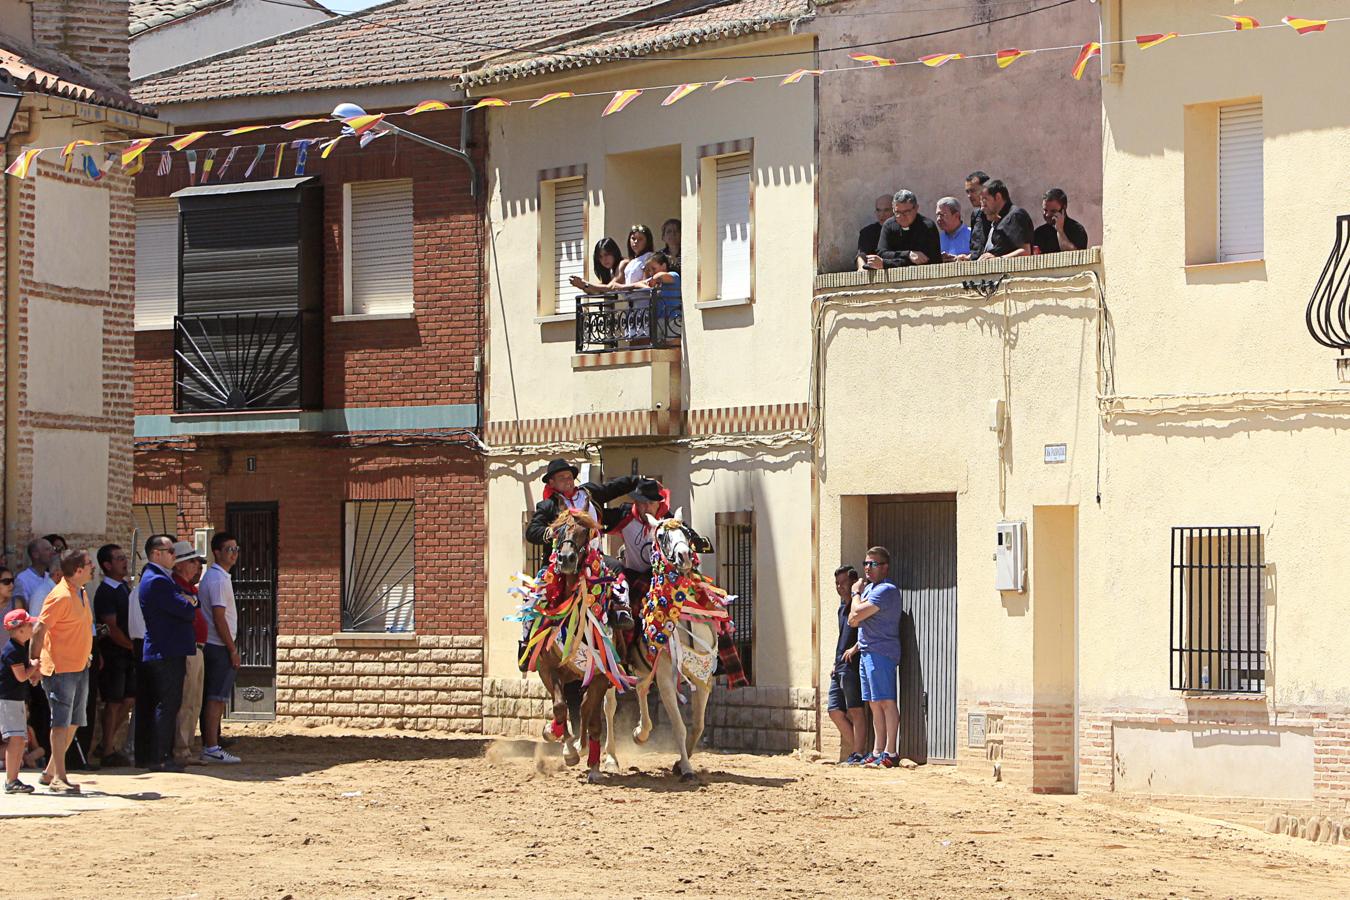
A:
x: 315, y: 813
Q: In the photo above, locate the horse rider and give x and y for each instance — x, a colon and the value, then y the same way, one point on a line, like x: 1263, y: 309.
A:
x: 648, y: 498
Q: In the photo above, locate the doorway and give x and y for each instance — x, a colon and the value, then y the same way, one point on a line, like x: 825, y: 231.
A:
x: 254, y: 526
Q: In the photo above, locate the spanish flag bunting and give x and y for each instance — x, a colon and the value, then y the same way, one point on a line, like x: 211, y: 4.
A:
x: 800, y: 74
x: 362, y: 124
x: 549, y: 98
x: 426, y: 106
x: 187, y: 140
x: 1305, y: 26
x: 745, y: 79
x: 681, y: 92
x: 878, y: 61
x: 1006, y: 58
x: 490, y: 101
x: 1152, y: 40
x: 68, y: 152
x: 933, y: 60
x: 245, y: 129
x: 1090, y: 49
x: 134, y: 150
x: 328, y: 147
x: 620, y: 100
x: 136, y: 166
x: 301, y: 123
x: 1242, y: 23
x: 276, y: 166
x: 19, y: 167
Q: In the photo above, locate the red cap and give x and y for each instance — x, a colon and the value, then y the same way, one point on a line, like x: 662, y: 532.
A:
x: 16, y: 617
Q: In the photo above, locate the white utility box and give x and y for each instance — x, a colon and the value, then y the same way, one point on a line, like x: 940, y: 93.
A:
x: 1010, y: 557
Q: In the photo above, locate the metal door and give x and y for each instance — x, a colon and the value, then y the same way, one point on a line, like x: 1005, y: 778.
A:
x: 919, y: 530
x: 254, y: 526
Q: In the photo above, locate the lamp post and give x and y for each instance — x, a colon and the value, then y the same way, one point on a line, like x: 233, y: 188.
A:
x: 345, y: 111
x: 10, y: 98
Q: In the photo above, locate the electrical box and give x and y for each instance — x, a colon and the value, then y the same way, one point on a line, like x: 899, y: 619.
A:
x: 1010, y: 557
x: 998, y: 411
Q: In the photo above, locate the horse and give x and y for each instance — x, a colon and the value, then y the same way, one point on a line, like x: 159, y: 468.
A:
x: 567, y: 639
x: 683, y: 615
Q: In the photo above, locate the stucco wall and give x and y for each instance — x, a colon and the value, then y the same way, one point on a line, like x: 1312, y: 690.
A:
x: 216, y: 30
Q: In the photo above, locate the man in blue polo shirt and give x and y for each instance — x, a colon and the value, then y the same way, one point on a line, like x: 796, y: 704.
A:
x: 875, y: 611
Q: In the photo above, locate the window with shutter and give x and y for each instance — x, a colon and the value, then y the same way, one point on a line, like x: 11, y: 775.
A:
x: 569, y: 240
x: 736, y: 571
x: 733, y: 227
x: 156, y: 263
x: 377, y: 575
x: 1241, y: 187
x: 379, y: 247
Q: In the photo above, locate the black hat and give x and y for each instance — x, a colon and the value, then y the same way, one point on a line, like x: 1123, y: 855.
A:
x: 560, y: 465
x: 648, y: 489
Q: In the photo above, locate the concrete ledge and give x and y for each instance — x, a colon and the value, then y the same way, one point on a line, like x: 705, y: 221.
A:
x: 615, y: 358
x: 374, y: 639
x: 1074, y: 259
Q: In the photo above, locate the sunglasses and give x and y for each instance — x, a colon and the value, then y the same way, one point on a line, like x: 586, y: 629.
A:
x: 6, y: 580
x: 872, y: 564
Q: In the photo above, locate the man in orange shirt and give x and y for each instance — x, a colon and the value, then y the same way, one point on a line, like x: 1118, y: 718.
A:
x: 62, y: 642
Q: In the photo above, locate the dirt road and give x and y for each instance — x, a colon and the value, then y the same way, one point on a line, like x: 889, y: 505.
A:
x: 319, y: 815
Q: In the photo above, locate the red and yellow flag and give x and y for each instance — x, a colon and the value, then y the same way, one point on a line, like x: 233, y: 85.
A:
x: 490, y: 101
x: 426, y: 106
x: 1305, y: 26
x: 187, y: 140
x: 1090, y: 49
x: 22, y: 162
x: 1152, y: 40
x: 134, y: 150
x: 681, y: 92
x: 362, y: 124
x: 301, y: 123
x: 1006, y: 58
x: 933, y: 60
x: 620, y: 100
x: 878, y: 61
x: 245, y: 129
x: 549, y: 98
x: 328, y: 147
x: 68, y: 152
x: 800, y: 74
x: 1242, y: 23
x: 744, y: 79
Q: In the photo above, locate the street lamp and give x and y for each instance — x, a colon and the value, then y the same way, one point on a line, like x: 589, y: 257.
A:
x: 344, y: 111
x: 10, y: 98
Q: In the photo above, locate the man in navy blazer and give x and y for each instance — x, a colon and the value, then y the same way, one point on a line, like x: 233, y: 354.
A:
x: 169, y: 641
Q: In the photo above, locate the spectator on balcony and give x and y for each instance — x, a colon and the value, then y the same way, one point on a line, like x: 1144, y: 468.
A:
x: 662, y: 278
x: 605, y: 260
x: 1059, y: 233
x: 670, y: 234
x: 979, y: 224
x: 952, y: 232
x: 630, y: 269
x: 908, y: 238
x: 1011, y: 230
x: 871, y: 233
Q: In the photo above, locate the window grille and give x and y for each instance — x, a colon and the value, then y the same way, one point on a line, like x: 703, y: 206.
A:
x: 1218, y: 613
x: 536, y: 555
x: 736, y: 571
x: 377, y: 575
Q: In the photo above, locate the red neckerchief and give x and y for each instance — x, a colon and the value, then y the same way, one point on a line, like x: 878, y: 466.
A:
x: 550, y: 492
x: 185, y: 585
x: 662, y: 511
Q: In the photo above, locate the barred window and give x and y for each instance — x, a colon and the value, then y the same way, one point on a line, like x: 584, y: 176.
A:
x: 377, y: 572
x: 535, y: 555
x: 736, y: 571
x: 1218, y: 616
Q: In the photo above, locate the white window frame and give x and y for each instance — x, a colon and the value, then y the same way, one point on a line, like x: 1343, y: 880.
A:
x: 156, y: 313
x: 403, y: 306
x: 1240, y: 196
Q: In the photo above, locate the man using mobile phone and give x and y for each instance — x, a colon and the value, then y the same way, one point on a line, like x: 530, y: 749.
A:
x: 1059, y: 233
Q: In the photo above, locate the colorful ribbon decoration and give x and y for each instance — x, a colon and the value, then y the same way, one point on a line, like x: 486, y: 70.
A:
x: 1006, y: 58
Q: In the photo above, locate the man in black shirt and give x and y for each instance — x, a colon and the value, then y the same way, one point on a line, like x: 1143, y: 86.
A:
x: 867, y: 238
x: 117, y: 678
x: 907, y: 238
x: 1059, y: 233
x: 1011, y: 229
x: 846, y: 703
x: 979, y: 225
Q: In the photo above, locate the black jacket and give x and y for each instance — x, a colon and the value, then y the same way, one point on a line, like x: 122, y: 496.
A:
x: 545, y: 511
x: 895, y: 242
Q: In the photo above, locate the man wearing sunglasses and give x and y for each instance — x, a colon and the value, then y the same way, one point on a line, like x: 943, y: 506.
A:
x: 875, y: 612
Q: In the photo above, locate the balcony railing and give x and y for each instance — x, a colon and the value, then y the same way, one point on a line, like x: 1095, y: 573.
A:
x: 245, y: 362
x: 628, y: 320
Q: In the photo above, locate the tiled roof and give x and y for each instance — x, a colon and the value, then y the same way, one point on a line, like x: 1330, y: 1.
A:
x: 49, y: 72
x: 146, y: 14
x: 398, y: 42
x: 668, y: 33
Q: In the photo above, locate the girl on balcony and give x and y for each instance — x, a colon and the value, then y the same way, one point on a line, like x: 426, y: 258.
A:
x: 606, y: 259
x: 629, y: 271
x: 670, y: 233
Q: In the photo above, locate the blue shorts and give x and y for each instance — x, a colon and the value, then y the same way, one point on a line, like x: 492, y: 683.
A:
x: 67, y: 695
x: 845, y: 689
x: 878, y: 677
x: 218, y: 680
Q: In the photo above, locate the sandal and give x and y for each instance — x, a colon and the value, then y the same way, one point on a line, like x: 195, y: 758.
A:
x: 63, y: 787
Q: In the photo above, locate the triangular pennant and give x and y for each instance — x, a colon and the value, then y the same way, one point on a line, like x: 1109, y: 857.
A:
x: 1242, y: 23
x: 208, y: 164
x: 1090, y: 49
x: 276, y: 167
x: 302, y: 156
x: 91, y: 167
x: 878, y: 61
x: 1007, y: 57
x: 1305, y: 26
x: 549, y: 98
x: 68, y: 152
x: 681, y: 92
x: 328, y: 147
x: 726, y: 80
x: 229, y: 158
x: 187, y: 140
x: 799, y: 75
x: 137, y: 165
x: 426, y: 106
x: 134, y: 150
x: 362, y: 124
x: 620, y: 100
x: 257, y: 158
x: 369, y: 136
x: 1146, y: 41
x: 165, y: 163
x: 301, y: 123
x: 490, y: 101
x: 192, y: 164
x: 933, y: 60
x: 245, y: 129
x: 22, y: 163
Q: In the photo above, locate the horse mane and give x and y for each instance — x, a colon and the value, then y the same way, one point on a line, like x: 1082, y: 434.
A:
x: 581, y: 518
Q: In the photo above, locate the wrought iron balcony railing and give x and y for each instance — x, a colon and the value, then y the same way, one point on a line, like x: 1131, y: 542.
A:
x: 628, y: 320
x: 1328, y: 315
x: 244, y: 362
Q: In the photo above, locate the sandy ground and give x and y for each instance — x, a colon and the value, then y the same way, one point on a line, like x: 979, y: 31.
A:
x: 318, y: 814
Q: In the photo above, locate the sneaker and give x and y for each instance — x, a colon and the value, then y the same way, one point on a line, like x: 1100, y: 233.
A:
x: 18, y: 787
x: 854, y: 759
x: 869, y: 761
x: 884, y: 761
x: 218, y: 755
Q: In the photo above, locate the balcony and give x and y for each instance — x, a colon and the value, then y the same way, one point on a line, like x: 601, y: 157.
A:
x: 628, y: 320
x: 247, y: 361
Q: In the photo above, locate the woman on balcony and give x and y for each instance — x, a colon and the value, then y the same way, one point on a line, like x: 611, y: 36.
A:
x: 606, y: 259
x: 629, y: 270
x: 670, y: 233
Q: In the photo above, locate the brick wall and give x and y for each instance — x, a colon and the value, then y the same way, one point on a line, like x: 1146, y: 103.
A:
x: 91, y: 32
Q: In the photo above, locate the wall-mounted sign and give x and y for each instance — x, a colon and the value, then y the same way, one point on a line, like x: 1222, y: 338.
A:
x: 976, y: 725
x: 1056, y: 453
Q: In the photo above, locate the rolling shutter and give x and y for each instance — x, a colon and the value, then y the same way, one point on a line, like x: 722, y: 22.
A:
x: 733, y: 227
x: 1241, y: 183
x: 380, y: 247
x: 569, y: 240
x: 156, y: 263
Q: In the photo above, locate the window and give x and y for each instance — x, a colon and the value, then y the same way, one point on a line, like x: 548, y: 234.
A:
x: 156, y: 263
x: 378, y: 247
x: 736, y: 575
x: 1218, y: 617
x: 536, y: 555
x: 148, y: 519
x: 562, y: 243
x: 377, y: 572
x: 1241, y: 193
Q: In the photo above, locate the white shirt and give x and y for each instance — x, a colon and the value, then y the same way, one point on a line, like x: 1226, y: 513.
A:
x: 25, y: 585
x: 39, y: 596
x: 217, y: 590
x: 638, y: 548
x: 632, y: 269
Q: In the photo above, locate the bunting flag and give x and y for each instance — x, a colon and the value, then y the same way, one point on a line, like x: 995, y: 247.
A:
x: 19, y: 167
x: 302, y: 156
x: 1006, y: 58
x: 933, y: 60
x: 799, y: 75
x: 369, y: 136
x: 91, y: 168
x: 257, y: 158
x: 1242, y: 23
x: 362, y: 124
x: 1090, y: 49
x: 1305, y: 26
x: 1146, y: 41
x: 549, y: 98
x: 620, y: 100
x: 328, y: 147
x: 245, y: 130
x: 134, y: 150
x: 208, y: 164
x: 681, y: 92
x: 187, y: 140
x: 301, y: 123
x: 879, y: 61
x: 490, y: 101
x: 165, y: 163
x: 68, y: 152
x: 428, y: 106
x: 192, y: 164
x: 229, y: 158
x: 276, y: 166
x: 726, y: 80
x: 136, y: 166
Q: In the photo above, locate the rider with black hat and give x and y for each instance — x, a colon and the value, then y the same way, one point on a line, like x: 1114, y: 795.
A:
x: 648, y: 498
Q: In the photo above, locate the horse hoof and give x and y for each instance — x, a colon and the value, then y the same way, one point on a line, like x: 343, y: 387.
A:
x: 593, y: 777
x: 552, y: 733
x: 611, y: 766
x: 689, y: 777
x: 639, y: 737
x: 571, y: 756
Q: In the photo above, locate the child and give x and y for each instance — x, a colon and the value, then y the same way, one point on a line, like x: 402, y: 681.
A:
x: 15, y: 675
x: 662, y: 278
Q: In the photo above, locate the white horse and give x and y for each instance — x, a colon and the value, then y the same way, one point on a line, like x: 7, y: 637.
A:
x: 691, y: 651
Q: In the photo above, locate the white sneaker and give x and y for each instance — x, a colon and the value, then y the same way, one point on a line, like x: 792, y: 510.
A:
x: 218, y: 756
